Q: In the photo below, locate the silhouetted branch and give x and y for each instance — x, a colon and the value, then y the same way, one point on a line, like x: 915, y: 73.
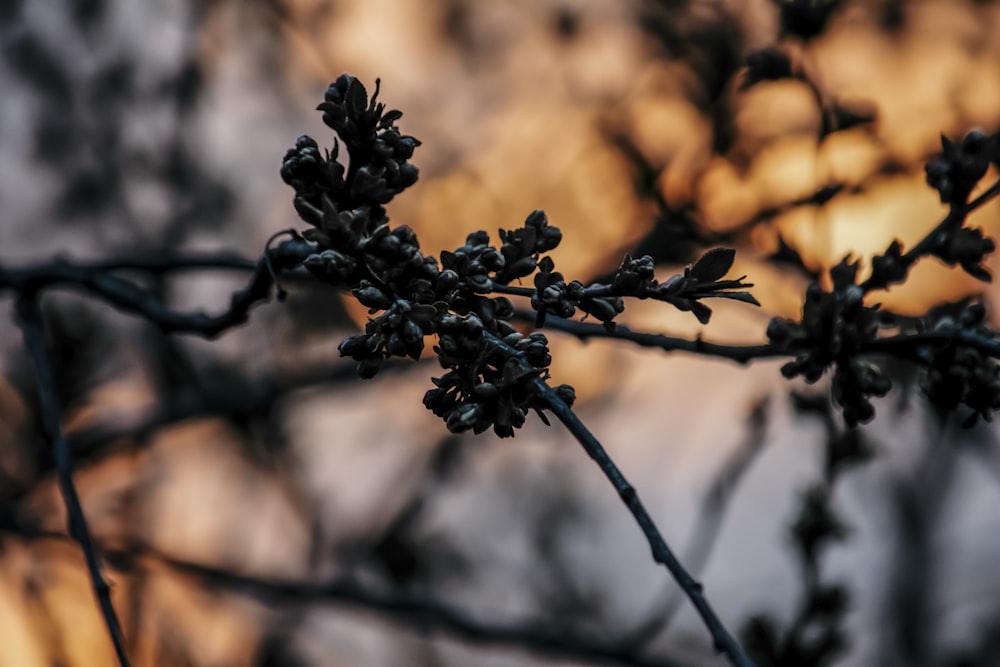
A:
x: 127, y: 296
x: 416, y: 611
x: 584, y: 330
x: 713, y: 509
x: 662, y: 553
x: 92, y: 444
x: 32, y: 329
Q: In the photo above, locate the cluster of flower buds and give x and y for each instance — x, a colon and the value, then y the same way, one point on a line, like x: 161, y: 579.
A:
x: 521, y: 247
x: 634, y: 277
x: 888, y: 268
x: 398, y: 332
x: 485, y: 386
x: 554, y: 295
x: 394, y: 257
x: 493, y: 369
x: 360, y: 121
x: 956, y: 170
x: 344, y: 205
x: 966, y: 247
x: 835, y: 329
x: 468, y: 269
x: 960, y: 374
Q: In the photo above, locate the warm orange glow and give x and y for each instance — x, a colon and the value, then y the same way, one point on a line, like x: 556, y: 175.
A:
x: 520, y: 107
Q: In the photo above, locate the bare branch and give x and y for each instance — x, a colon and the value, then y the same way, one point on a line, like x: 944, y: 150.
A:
x: 32, y: 330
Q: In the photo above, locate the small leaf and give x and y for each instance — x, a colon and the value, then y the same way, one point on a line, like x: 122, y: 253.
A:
x: 701, y: 311
x: 745, y: 297
x: 977, y: 271
x: 356, y: 99
x: 390, y: 117
x: 713, y: 264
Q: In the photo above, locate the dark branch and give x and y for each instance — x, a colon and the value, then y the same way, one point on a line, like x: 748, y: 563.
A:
x: 662, y: 554
x: 412, y: 611
x: 583, y: 330
x: 130, y: 297
x: 32, y: 329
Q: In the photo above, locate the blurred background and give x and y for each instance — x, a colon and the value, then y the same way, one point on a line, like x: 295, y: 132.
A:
x: 216, y: 473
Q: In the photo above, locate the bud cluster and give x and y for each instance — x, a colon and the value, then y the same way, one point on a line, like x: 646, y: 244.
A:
x: 835, y: 329
x: 493, y: 369
x: 956, y: 170
x: 344, y: 205
x: 960, y: 374
x: 485, y: 386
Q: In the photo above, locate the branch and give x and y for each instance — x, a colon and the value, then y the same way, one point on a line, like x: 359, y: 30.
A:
x: 722, y: 640
x: 956, y: 217
x: 90, y: 445
x: 132, y: 298
x: 424, y: 613
x: 908, y: 346
x: 583, y: 330
x: 34, y: 342
x: 714, y: 505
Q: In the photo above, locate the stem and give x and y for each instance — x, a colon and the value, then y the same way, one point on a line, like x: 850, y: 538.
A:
x: 741, y: 354
x: 662, y: 554
x: 130, y: 297
x: 34, y: 341
x: 723, y: 641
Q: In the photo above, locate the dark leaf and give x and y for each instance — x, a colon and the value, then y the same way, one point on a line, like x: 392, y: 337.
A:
x: 356, y: 99
x: 701, y: 311
x: 977, y: 271
x: 745, y: 297
x: 713, y: 264
x: 391, y: 117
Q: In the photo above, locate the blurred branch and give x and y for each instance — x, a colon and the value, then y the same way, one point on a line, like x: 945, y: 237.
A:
x: 417, y: 611
x: 32, y: 329
x: 918, y: 499
x: 91, y: 445
x: 130, y: 297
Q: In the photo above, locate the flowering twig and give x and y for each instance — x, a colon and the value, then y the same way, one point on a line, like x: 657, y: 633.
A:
x: 495, y: 374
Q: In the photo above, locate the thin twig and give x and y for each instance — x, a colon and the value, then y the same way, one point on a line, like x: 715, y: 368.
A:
x: 955, y: 218
x: 741, y: 354
x: 713, y: 510
x: 91, y: 445
x: 723, y: 641
x: 32, y: 329
x: 418, y: 611
x: 662, y: 554
x: 132, y: 298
